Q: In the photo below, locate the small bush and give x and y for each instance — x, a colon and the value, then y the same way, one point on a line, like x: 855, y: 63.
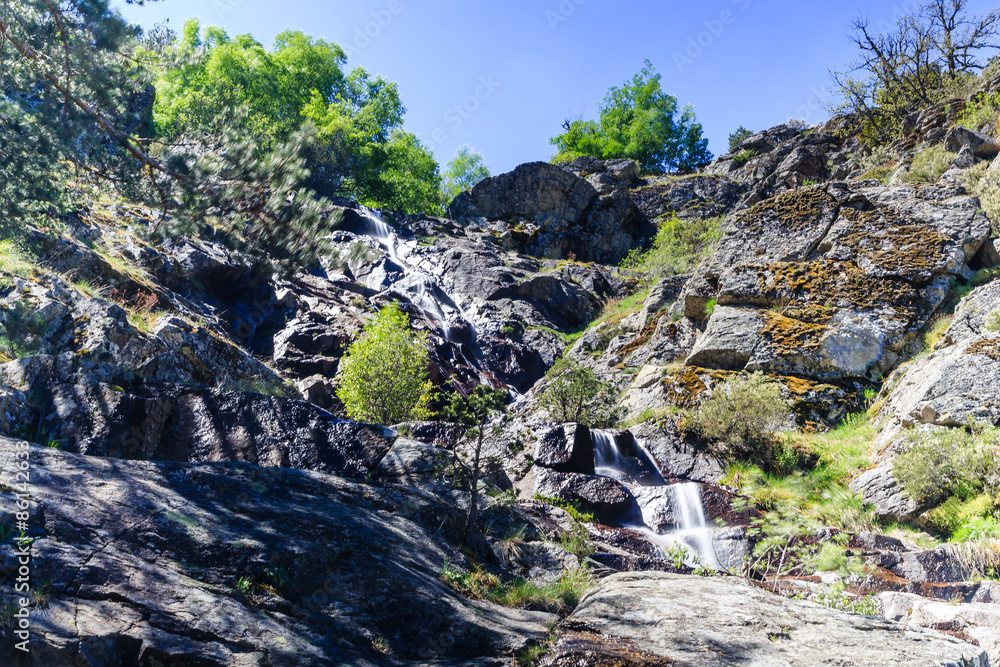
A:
x: 574, y: 394
x: 743, y: 157
x: 948, y: 462
x: 930, y: 164
x: 678, y: 247
x: 984, y: 183
x: 982, y: 114
x: 744, y: 414
x: 954, y: 514
x: 993, y: 321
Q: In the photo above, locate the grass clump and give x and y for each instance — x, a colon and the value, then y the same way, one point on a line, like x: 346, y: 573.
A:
x: 559, y: 597
x: 936, y: 331
x: 678, y: 247
x: 14, y: 263
x: 573, y: 507
x: 930, y: 164
x: 984, y: 183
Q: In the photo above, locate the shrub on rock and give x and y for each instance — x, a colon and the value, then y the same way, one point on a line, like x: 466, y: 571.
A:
x: 384, y: 377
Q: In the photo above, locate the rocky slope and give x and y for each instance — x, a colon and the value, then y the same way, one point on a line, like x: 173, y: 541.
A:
x: 206, y: 505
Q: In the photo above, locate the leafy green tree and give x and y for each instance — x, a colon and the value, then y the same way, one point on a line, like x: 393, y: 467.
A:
x: 475, y: 411
x: 641, y: 122
x: 574, y: 394
x: 384, y: 378
x: 466, y: 170
x: 737, y: 137
x: 208, y: 74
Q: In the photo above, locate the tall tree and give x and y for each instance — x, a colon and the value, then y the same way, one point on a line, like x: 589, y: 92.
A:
x: 639, y: 121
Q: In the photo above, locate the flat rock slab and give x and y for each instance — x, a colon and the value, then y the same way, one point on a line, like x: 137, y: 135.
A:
x: 700, y: 621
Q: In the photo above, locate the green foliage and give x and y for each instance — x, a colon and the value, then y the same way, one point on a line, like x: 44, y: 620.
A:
x: 743, y: 414
x: 21, y: 331
x: 384, y: 377
x: 560, y: 597
x: 14, y: 263
x: 954, y: 514
x: 573, y: 508
x: 52, y: 57
x: 577, y: 541
x: 737, y: 137
x: 638, y: 121
x: 982, y: 113
x: 207, y: 74
x: 574, y: 394
x: 678, y: 247
x: 984, y: 183
x: 463, y: 173
x: 948, y: 462
x: 830, y: 558
x: 744, y: 156
x: 359, y: 148
x: 993, y: 321
x: 930, y: 164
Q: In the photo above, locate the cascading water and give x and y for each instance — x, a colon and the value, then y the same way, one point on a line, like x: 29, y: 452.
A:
x: 691, y: 530
x: 435, y: 305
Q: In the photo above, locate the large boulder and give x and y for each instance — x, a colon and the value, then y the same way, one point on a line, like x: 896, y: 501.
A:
x: 604, y: 496
x: 138, y: 563
x: 981, y: 146
x: 673, y: 619
x: 979, y: 623
x: 834, y: 282
x: 566, y: 448
x: 532, y: 190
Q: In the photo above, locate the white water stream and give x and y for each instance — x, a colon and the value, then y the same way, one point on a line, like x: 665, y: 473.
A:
x: 424, y: 293
x: 692, y: 530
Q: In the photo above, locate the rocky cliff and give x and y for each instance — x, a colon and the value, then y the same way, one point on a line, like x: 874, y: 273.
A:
x: 196, y: 499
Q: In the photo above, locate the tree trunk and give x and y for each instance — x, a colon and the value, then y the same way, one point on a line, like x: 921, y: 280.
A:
x: 472, y: 518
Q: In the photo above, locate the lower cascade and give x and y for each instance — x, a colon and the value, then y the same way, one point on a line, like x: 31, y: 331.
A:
x: 636, y: 469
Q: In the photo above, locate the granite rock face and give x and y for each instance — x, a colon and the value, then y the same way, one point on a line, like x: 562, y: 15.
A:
x: 671, y: 619
x: 233, y: 564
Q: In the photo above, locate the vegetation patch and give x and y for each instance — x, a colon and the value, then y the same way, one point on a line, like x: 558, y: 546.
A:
x: 678, y: 248
x: 930, y: 164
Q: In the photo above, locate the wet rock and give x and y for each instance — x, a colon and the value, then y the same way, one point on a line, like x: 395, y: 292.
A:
x: 566, y: 448
x: 602, y: 495
x: 709, y: 621
x: 676, y: 456
x: 227, y: 564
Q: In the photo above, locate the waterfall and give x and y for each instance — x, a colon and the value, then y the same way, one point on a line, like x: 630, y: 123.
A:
x: 691, y: 530
x: 424, y: 293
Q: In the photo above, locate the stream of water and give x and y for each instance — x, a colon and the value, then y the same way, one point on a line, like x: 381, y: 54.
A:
x: 691, y: 530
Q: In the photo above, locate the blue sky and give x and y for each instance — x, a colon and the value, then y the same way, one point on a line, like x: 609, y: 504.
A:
x: 503, y: 76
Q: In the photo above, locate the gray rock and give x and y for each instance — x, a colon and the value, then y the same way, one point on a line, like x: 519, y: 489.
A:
x: 229, y: 564
x: 603, y: 495
x: 879, y: 487
x: 409, y: 458
x: 976, y: 622
x: 566, y: 448
x: 676, y: 456
x: 711, y: 621
x: 964, y: 159
x: 981, y: 146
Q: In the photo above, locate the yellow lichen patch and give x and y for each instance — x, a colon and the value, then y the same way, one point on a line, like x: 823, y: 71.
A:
x: 989, y: 347
x: 795, y: 210
x: 791, y: 336
x: 686, y: 386
x: 832, y: 284
x: 886, y: 241
x: 644, y: 336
